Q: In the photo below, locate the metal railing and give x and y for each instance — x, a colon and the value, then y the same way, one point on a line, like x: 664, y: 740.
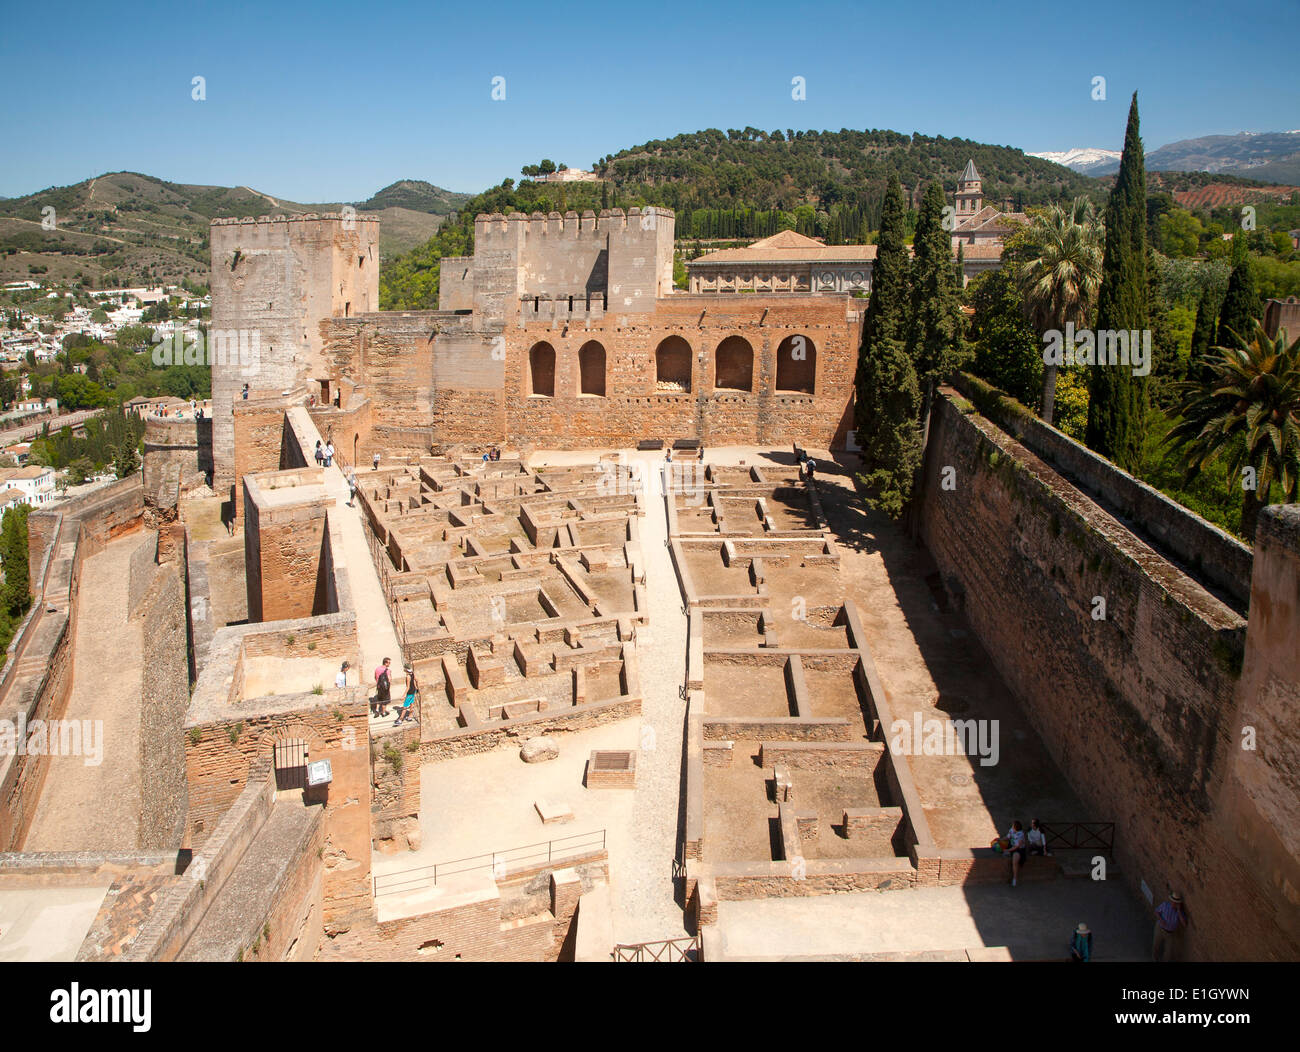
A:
x: 1098, y: 836
x: 669, y: 951
x: 559, y: 850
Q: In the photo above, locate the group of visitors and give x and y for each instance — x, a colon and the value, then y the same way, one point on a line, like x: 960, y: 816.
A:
x: 807, y: 466
x: 1018, y: 844
x: 492, y: 455
x: 324, y: 453
x: 384, y: 693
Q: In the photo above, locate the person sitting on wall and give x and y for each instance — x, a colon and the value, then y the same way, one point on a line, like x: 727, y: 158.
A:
x: 1037, y: 839
x: 1016, y: 849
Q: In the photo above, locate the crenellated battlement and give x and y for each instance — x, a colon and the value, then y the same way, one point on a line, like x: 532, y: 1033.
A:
x: 306, y: 217
x: 495, y: 225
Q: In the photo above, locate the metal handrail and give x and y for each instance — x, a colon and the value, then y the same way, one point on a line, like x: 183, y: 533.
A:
x: 1100, y: 835
x: 672, y: 951
x: 493, y: 860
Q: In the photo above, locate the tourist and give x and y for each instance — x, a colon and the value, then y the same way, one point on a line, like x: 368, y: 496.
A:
x: 329, y: 453
x: 1037, y: 839
x: 810, y: 468
x: 701, y: 456
x: 668, y: 456
x: 341, y: 680
x: 1081, y: 944
x: 352, y: 487
x: 383, y: 688
x: 320, y: 454
x: 376, y: 462
x: 408, y: 703
x: 1016, y: 849
x: 1171, y: 919
x: 244, y: 393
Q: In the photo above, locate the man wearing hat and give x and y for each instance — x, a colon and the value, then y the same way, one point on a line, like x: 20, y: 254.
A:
x: 1171, y: 919
x: 1081, y: 944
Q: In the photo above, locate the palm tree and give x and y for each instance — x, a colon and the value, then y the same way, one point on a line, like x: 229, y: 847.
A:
x: 1062, y: 250
x: 1248, y: 414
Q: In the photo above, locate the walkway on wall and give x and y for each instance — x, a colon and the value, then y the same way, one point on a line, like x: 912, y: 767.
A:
x: 375, y: 631
x: 644, y: 906
x: 87, y: 805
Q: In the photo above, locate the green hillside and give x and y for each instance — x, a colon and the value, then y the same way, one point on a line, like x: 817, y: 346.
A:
x: 748, y: 184
x: 126, y: 228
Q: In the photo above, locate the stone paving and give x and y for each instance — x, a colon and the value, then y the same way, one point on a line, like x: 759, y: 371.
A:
x: 644, y: 902
x: 1033, y: 921
x: 107, y: 660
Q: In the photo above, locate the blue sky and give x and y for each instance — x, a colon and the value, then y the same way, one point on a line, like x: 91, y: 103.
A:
x: 331, y: 102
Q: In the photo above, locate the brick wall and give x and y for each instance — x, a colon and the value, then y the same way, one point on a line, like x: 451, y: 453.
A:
x: 1140, y: 709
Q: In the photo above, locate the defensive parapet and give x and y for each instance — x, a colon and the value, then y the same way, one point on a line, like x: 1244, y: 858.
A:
x: 624, y: 258
x: 275, y: 278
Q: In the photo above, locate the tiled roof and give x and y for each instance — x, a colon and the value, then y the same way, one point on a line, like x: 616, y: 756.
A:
x: 790, y: 247
x: 970, y: 175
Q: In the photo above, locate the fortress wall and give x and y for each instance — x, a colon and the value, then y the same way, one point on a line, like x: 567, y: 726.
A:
x: 1205, y: 551
x: 456, y: 283
x: 389, y: 356
x: 1140, y: 709
x: 187, y: 444
x: 37, y: 677
x: 633, y: 408
x: 1259, y: 811
x: 276, y: 278
x: 164, y: 697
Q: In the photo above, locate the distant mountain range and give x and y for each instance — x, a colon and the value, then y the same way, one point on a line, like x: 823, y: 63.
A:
x: 1085, y: 160
x: 146, y: 230
x: 1267, y: 157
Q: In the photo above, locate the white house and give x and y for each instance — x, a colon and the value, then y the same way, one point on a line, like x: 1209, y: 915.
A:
x: 36, y: 481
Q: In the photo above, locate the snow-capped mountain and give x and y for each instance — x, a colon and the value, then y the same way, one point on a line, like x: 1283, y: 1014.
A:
x: 1087, y: 160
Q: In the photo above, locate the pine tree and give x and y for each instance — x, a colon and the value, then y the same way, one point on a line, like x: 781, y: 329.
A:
x: 1117, y: 402
x: 888, y: 393
x: 1240, y: 306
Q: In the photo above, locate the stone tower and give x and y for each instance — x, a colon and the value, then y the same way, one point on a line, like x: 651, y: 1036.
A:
x: 274, y: 279
x: 970, y: 192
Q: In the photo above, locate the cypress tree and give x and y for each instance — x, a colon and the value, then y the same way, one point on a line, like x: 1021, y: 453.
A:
x: 16, y: 595
x: 934, y: 324
x: 1202, y: 337
x: 888, y: 394
x: 1240, y: 306
x: 1117, y: 402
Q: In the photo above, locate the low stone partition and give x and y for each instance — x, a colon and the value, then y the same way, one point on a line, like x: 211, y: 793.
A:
x: 778, y: 729
x: 875, y: 827
x: 822, y: 755
x: 485, y: 738
x: 983, y: 865
x: 805, y: 877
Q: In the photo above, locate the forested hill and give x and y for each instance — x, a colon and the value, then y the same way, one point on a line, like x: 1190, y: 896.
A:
x: 749, y: 184
x: 784, y: 170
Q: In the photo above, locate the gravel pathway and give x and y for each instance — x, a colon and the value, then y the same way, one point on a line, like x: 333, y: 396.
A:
x: 645, y: 907
x: 87, y: 806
